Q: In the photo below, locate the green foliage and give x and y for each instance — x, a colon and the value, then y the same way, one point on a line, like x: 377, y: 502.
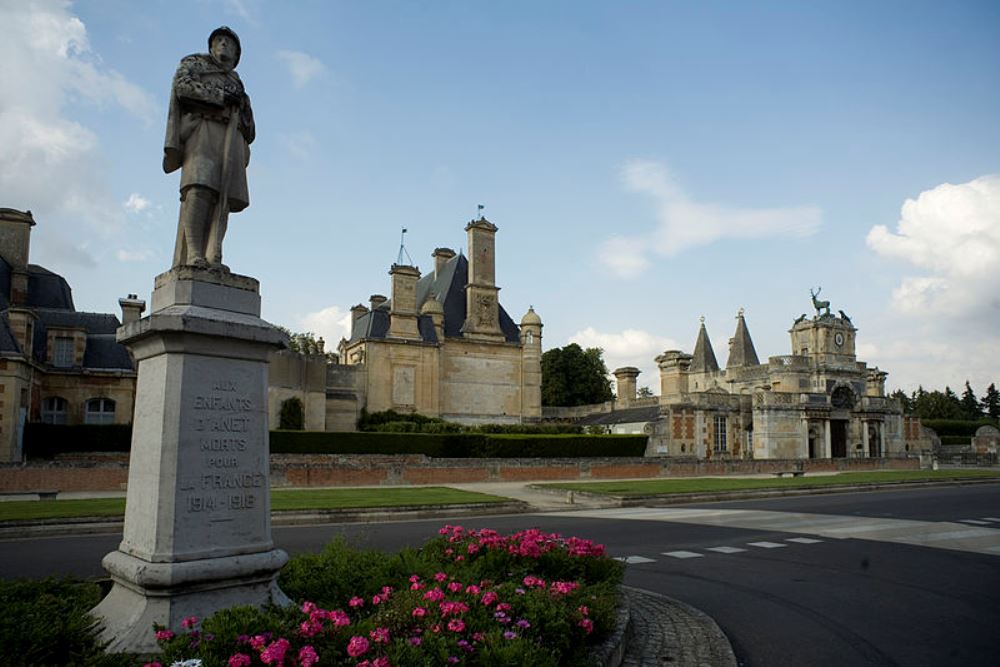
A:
x: 45, y: 622
x: 457, y: 445
x: 44, y: 441
x: 645, y: 392
x: 574, y: 376
x: 990, y: 402
x: 293, y: 414
x: 956, y: 427
x: 307, y: 343
x: 969, y: 403
x: 905, y: 401
x: 390, y: 421
x: 937, y: 405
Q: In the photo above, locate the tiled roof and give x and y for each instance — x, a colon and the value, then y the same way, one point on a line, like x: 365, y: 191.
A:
x: 703, y: 359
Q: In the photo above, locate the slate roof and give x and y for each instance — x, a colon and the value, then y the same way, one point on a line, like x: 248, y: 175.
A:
x: 741, y: 350
x: 626, y: 416
x: 47, y: 289
x: 703, y: 359
x: 448, y: 287
x: 4, y: 284
x: 7, y: 341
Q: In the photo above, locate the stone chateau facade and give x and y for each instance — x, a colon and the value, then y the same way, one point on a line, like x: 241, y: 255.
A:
x: 818, y: 402
x: 57, y: 364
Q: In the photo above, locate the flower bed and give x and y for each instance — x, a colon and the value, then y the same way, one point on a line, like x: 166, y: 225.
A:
x: 468, y: 597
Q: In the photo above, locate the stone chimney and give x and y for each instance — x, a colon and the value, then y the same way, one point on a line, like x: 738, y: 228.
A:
x: 15, y: 230
x: 357, y: 312
x: 875, y: 382
x: 482, y: 302
x: 132, y: 308
x: 674, y: 366
x: 625, y: 378
x: 441, y: 257
x: 403, y: 315
x: 376, y: 300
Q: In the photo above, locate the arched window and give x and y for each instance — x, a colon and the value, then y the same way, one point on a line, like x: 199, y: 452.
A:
x: 100, y: 411
x: 54, y: 410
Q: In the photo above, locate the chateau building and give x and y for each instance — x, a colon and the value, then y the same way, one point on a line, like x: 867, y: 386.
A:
x: 818, y: 402
x: 442, y: 345
x: 57, y: 365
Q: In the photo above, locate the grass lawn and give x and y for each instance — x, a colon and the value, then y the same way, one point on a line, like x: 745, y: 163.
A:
x: 713, y: 484
x: 281, y: 499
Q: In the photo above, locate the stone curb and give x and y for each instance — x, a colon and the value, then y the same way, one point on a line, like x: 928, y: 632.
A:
x: 749, y: 494
x: 94, y: 525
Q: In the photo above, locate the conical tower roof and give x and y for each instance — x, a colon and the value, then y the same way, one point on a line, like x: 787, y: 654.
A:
x: 741, y: 350
x: 703, y: 359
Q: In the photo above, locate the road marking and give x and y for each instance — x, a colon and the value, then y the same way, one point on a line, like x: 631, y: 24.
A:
x: 767, y: 545
x: 954, y: 536
x: 803, y: 540
x: 726, y: 550
x: 682, y: 554
x: 991, y: 518
x: 975, y: 522
x: 635, y: 560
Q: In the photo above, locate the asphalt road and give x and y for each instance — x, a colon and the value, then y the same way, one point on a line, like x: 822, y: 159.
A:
x: 838, y: 589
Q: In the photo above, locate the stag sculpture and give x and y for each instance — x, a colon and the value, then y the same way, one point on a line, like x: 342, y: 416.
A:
x: 819, y: 305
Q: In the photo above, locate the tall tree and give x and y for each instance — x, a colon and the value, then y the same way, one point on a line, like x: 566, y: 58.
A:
x: 970, y: 404
x: 991, y: 402
x: 574, y: 376
x: 937, y: 405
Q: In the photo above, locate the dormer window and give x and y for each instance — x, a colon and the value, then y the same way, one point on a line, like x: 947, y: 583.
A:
x: 63, y: 352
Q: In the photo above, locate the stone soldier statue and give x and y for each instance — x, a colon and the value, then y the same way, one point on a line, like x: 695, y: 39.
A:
x: 209, y: 131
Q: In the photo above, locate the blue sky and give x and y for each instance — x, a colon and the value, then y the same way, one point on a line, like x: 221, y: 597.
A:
x: 646, y: 162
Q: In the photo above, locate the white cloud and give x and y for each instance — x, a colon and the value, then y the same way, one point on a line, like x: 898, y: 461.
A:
x: 630, y: 347
x: 50, y: 162
x: 302, y: 66
x: 946, y: 327
x: 684, y: 224
x: 136, y: 203
x: 952, y: 233
x: 136, y: 255
x: 331, y: 324
x: 300, y: 145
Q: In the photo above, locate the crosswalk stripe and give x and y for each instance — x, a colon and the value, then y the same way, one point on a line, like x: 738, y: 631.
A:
x: 803, y: 540
x: 767, y: 545
x: 683, y: 554
x: 635, y: 560
x: 726, y: 550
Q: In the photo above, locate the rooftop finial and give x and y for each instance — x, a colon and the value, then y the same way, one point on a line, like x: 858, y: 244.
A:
x: 739, y: 315
x: 702, y: 319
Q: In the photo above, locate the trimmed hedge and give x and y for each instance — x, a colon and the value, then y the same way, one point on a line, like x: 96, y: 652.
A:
x: 956, y: 440
x: 963, y: 427
x: 44, y: 441
x: 47, y: 440
x: 457, y: 445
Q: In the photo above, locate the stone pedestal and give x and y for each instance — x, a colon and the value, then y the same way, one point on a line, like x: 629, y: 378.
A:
x: 197, y: 534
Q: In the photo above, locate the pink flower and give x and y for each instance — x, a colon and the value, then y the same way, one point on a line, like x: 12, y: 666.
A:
x: 435, y: 594
x: 472, y: 548
x: 489, y: 597
x: 164, y: 635
x: 503, y: 606
x: 472, y: 589
x: 587, y: 625
x: 307, y: 656
x: 419, y: 612
x: 415, y: 641
x: 456, y: 625
x: 563, y: 587
x: 189, y: 622
x: 275, y: 652
x: 356, y: 602
x: 257, y: 642
x: 414, y: 578
x: 376, y: 599
x: 440, y: 576
x: 436, y: 628
x: 534, y: 582
x: 477, y: 636
x: 583, y: 610
x: 380, y: 635
x: 510, y: 634
x: 454, y: 587
x: 310, y: 628
x: 309, y: 607
x: 380, y: 661
x: 152, y: 664
x: 240, y: 660
x: 339, y: 618
x: 357, y: 646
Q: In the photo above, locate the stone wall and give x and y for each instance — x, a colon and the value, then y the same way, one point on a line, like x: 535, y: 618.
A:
x: 302, y: 376
x: 110, y: 473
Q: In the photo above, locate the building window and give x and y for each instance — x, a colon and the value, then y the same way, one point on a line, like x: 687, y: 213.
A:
x: 100, y: 411
x: 54, y: 410
x: 720, y: 433
x: 529, y: 338
x: 62, y: 355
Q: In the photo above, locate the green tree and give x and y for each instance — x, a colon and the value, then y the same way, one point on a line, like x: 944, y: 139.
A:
x: 904, y: 401
x: 645, y: 392
x: 293, y: 415
x: 307, y: 343
x: 574, y: 376
x: 937, y: 405
x: 991, y: 402
x: 970, y: 404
